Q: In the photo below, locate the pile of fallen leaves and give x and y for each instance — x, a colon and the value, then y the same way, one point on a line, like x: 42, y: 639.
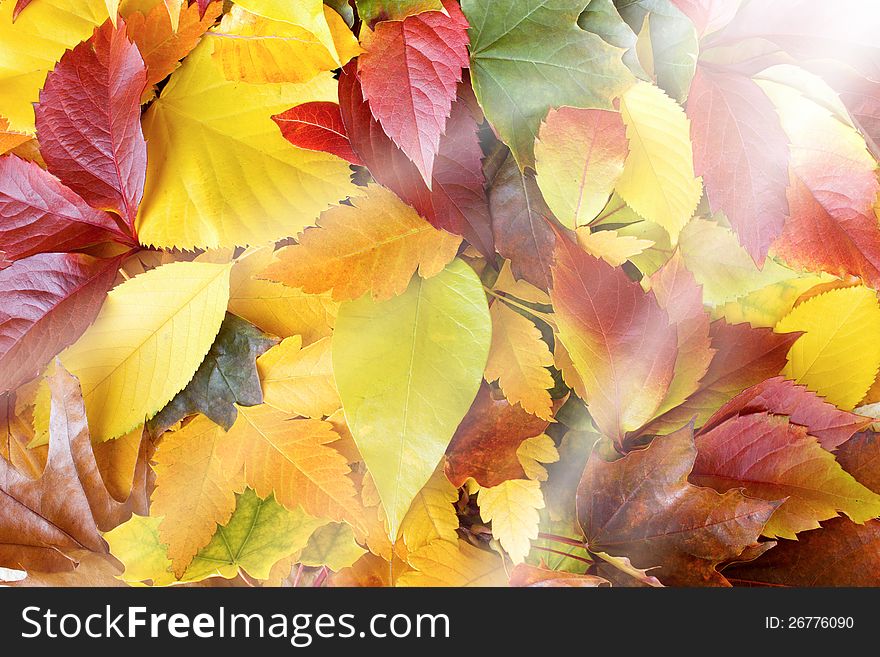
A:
x: 428, y: 292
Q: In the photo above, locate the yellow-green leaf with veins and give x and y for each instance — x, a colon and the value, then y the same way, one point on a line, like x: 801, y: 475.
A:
x: 147, y: 342
x: 332, y: 545
x: 219, y: 173
x: 839, y: 354
x: 407, y: 370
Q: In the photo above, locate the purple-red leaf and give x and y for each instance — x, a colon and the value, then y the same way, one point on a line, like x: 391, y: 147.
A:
x: 47, y: 301
x: 89, y: 121
x: 410, y: 73
x: 317, y: 126
x: 39, y: 214
x: 456, y: 201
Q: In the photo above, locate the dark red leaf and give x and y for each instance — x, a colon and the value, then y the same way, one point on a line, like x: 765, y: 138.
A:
x: 89, y: 122
x: 317, y: 126
x: 39, y: 214
x: 456, y: 201
x: 409, y: 75
x: 47, y: 301
x: 742, y: 154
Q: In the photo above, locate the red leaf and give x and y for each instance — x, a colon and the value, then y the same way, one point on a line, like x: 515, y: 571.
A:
x: 860, y: 456
x: 456, y: 201
x: 409, y: 74
x: 317, y: 126
x: 40, y: 214
x: 619, y: 339
x: 642, y: 507
x: 19, y: 7
x: 89, y: 122
x: 47, y: 301
x: 842, y: 553
x: 521, y: 225
x: 779, y: 396
x: 742, y: 153
x: 485, y: 443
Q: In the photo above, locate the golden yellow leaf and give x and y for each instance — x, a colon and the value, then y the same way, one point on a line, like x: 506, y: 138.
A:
x: 299, y: 381
x: 512, y: 508
x: 219, y: 173
x: 275, y: 308
x: 256, y: 49
x: 146, y: 343
x: 839, y: 354
x: 309, y: 14
x: 431, y: 515
x: 374, y: 245
x: 444, y: 563
x: 613, y: 248
x: 136, y: 544
x: 117, y: 461
x: 194, y: 493
x: 33, y: 44
x: 518, y: 360
x: 658, y: 178
x: 534, y: 451
x: 292, y: 459
x: 10, y: 139
x: 767, y: 305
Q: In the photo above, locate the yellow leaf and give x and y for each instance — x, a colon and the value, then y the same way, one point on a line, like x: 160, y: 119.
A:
x: 33, y: 45
x: 219, y: 173
x: 194, y: 493
x: 512, y: 508
x: 658, y: 178
x: 332, y: 545
x: 299, y: 381
x: 520, y: 289
x: 256, y: 49
x: 9, y: 139
x: 839, y: 354
x: 292, y: 459
x: 534, y: 451
x: 767, y: 305
x: 445, y: 563
x: 613, y: 248
x: 431, y: 515
x: 275, y: 308
x: 374, y: 245
x: 137, y: 545
x: 310, y: 14
x: 147, y: 342
x: 518, y: 360
x: 173, y: 7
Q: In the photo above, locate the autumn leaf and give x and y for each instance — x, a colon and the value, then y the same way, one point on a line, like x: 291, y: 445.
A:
x: 525, y: 575
x: 512, y: 508
x: 431, y: 516
x: 444, y: 563
x: 226, y: 377
x: 332, y: 545
x: 317, y: 126
x: 643, y: 508
x: 388, y: 358
x: 858, y: 456
x: 300, y: 380
x: 409, y: 75
x: 103, y: 159
x: 373, y: 245
x: 371, y: 11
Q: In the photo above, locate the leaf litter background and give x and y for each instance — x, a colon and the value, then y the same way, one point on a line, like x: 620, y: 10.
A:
x: 420, y: 292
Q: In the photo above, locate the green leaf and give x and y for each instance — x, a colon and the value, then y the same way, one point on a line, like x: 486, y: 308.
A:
x: 373, y: 11
x: 527, y: 57
x: 407, y: 370
x: 226, y: 377
x: 601, y: 18
x: 333, y: 546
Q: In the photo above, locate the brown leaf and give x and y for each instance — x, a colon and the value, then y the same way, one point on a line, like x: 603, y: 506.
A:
x: 532, y: 576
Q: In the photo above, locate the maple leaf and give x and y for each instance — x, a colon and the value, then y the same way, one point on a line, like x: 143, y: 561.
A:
x: 102, y: 158
x: 619, y: 338
x: 487, y: 439
x: 518, y: 360
x: 373, y: 245
x: 521, y: 223
x: 389, y: 359
x: 45, y: 521
x: 770, y: 458
x: 41, y: 214
x: 409, y: 74
x: 537, y: 47
x: 145, y: 334
x: 842, y: 553
x: 643, y: 508
x: 576, y: 182
x: 526, y: 575
x: 299, y: 380
x: 255, y: 180
x: 317, y: 126
x: 456, y: 199
x: 47, y: 301
x: 742, y: 154
x: 226, y: 377
x: 777, y: 396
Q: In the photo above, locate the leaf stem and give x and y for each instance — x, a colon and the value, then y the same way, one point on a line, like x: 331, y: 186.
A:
x: 562, y: 539
x: 564, y: 554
